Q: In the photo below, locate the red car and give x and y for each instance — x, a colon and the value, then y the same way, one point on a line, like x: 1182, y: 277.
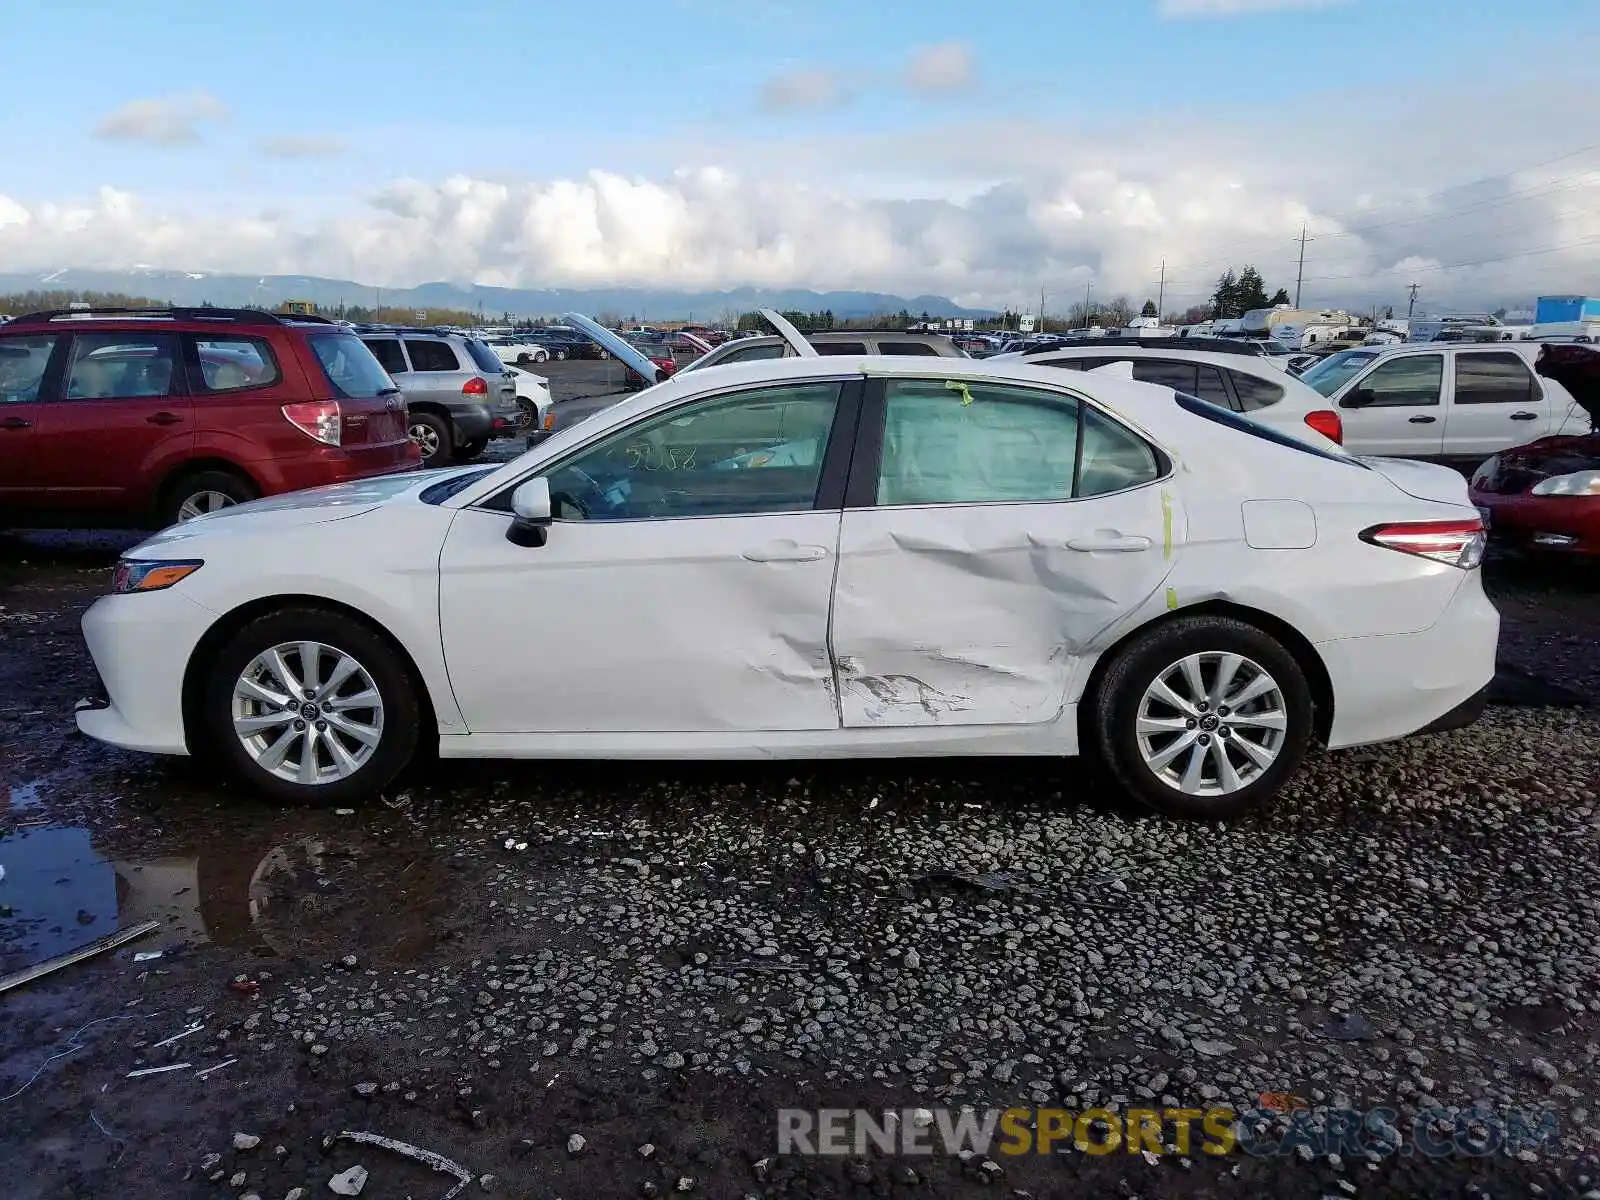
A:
x: 1545, y: 496
x: 139, y: 418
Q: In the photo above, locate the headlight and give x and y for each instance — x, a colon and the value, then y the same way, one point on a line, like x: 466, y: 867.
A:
x: 136, y: 575
x: 1580, y: 483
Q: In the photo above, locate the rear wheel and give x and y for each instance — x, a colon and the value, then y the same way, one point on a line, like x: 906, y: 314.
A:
x: 524, y: 359
x: 203, y: 492
x: 561, y: 356
x: 431, y: 433
x: 540, y: 356
x: 1204, y: 716
x: 310, y: 706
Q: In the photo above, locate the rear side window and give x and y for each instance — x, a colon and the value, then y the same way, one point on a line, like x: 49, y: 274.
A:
x: 429, y: 355
x: 1226, y: 416
x: 232, y: 364
x: 826, y: 348
x: 751, y: 353
x: 22, y: 365
x: 1179, y: 376
x: 1254, y: 393
x: 906, y: 348
x: 1493, y: 379
x: 349, y: 366
x: 485, y: 358
x: 387, y: 351
x: 121, y: 365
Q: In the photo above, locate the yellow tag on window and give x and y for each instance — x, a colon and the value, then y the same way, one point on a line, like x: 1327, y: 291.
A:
x: 957, y: 385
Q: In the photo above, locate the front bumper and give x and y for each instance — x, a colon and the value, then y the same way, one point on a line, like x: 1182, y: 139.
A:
x: 1393, y: 685
x: 1542, y: 524
x: 141, y: 646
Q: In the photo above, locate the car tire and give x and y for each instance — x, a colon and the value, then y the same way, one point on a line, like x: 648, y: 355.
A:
x: 242, y: 726
x: 201, y: 492
x: 561, y: 356
x: 1167, y: 754
x: 471, y: 450
x: 524, y: 359
x: 431, y: 433
x: 540, y: 356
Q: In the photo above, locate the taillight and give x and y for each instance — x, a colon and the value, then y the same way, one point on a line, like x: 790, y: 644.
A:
x: 1326, y: 422
x: 1458, y: 543
x: 475, y: 387
x: 318, y: 419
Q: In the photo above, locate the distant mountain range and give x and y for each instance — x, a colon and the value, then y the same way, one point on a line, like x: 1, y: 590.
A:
x: 197, y: 287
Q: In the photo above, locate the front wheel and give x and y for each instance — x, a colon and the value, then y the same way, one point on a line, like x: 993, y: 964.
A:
x: 540, y: 356
x: 1203, y: 716
x: 310, y: 706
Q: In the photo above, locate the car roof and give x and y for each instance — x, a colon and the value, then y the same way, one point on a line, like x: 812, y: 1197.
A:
x: 1251, y: 364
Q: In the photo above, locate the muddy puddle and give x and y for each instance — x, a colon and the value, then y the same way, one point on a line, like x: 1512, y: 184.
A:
x: 314, y: 890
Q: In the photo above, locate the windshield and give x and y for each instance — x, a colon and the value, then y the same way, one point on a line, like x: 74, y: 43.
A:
x: 1333, y: 372
x: 350, y: 367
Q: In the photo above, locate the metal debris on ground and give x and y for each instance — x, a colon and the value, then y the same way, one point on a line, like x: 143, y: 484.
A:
x: 753, y: 966
x: 110, y: 942
x: 148, y: 955
x: 227, y: 1062
x: 158, y: 1070
x: 180, y: 1035
x: 427, y: 1157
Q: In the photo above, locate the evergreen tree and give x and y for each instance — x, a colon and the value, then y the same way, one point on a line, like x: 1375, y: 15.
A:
x: 1281, y: 296
x: 1251, y: 293
x: 1149, y: 309
x: 1225, y: 300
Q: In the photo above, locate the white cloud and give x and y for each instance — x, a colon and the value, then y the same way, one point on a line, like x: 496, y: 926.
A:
x: 1238, y: 8
x: 804, y: 88
x: 167, y: 121
x: 302, y: 145
x: 946, y: 67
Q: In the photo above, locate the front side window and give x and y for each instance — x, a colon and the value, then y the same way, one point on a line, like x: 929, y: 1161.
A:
x: 429, y: 355
x: 756, y: 451
x: 22, y: 365
x: 230, y: 364
x: 969, y: 442
x: 1254, y: 393
x: 121, y: 365
x: 1412, y: 381
x: 387, y: 351
x: 1493, y: 379
x: 349, y: 366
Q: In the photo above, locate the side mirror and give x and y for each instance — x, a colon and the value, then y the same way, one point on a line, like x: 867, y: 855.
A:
x: 1359, y: 398
x: 531, y: 519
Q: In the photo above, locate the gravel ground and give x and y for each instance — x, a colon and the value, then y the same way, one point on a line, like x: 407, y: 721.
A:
x: 537, y: 970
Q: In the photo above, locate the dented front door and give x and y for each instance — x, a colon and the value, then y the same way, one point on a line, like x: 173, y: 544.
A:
x: 976, y: 613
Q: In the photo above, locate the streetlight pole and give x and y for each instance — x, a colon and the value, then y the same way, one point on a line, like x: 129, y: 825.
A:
x: 1161, y: 290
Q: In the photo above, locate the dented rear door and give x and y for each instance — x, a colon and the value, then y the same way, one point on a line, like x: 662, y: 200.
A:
x: 983, y: 559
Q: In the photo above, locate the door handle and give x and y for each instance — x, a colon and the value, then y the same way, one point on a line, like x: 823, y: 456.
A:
x: 1523, y: 416
x: 15, y: 423
x: 1114, y: 542
x: 1423, y: 420
x: 164, y: 418
x: 786, y: 552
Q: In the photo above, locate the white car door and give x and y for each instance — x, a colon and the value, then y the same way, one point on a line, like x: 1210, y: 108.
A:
x: 684, y: 585
x: 1495, y: 402
x: 1396, y: 408
x: 989, y: 551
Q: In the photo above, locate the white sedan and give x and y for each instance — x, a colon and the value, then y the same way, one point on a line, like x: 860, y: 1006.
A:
x: 822, y: 557
x: 513, y: 349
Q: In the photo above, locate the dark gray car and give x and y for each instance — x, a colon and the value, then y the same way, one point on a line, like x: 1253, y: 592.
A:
x: 459, y: 395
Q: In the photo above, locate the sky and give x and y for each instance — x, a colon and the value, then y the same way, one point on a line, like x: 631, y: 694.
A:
x: 982, y: 153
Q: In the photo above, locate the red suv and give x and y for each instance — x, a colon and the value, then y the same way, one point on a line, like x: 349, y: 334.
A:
x: 139, y: 418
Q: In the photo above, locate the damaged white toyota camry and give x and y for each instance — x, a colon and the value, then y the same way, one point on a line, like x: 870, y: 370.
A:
x: 822, y: 557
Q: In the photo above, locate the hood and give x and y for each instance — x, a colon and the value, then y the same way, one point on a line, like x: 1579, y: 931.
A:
x: 623, y: 351
x: 796, y: 339
x: 1516, y: 470
x: 1576, y: 368
x: 314, y: 506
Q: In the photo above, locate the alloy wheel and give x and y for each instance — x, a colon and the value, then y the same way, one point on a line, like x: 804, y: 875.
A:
x: 1211, y: 723
x: 427, y: 439
x: 307, y: 712
x: 201, y: 503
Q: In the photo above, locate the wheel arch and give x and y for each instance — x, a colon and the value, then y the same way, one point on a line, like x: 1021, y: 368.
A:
x: 209, y: 462
x: 1292, y: 640
x: 236, y: 619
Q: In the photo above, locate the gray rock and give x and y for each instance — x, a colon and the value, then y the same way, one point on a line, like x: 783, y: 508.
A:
x: 348, y: 1183
x: 576, y: 1143
x: 245, y: 1141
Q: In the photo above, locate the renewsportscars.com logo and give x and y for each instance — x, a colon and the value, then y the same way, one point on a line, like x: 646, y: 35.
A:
x: 1271, y: 1130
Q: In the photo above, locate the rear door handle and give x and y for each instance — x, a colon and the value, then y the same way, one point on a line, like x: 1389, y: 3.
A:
x: 1116, y: 543
x: 1524, y: 416
x: 786, y: 552
x: 1423, y: 420
x: 164, y: 418
x: 15, y: 423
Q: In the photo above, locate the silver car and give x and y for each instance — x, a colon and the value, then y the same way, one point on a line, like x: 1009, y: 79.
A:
x: 459, y: 395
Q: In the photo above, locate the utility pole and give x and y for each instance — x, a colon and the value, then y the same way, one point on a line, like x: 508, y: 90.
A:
x: 1041, y: 308
x: 1301, y: 269
x: 1413, y: 305
x: 1161, y: 290
x: 1088, y: 287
